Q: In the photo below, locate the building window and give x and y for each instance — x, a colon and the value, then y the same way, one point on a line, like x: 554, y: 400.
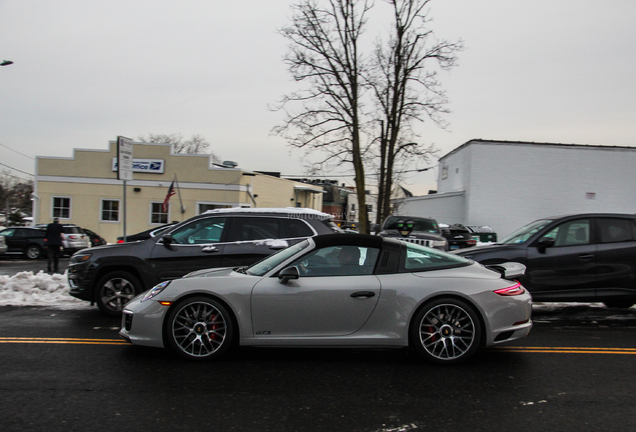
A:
x: 157, y: 216
x: 110, y: 211
x: 62, y: 207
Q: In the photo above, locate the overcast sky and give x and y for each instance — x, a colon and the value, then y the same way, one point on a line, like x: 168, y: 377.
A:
x: 86, y: 71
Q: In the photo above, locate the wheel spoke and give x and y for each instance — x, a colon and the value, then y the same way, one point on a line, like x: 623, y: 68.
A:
x: 199, y: 329
x: 447, y: 332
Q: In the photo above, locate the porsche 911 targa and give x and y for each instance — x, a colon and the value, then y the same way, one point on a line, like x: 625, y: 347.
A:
x: 337, y: 290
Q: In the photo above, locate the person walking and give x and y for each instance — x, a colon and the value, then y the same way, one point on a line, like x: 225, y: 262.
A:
x: 54, y: 233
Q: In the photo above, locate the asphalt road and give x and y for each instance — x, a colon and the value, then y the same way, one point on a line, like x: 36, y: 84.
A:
x: 11, y: 264
x: 69, y: 371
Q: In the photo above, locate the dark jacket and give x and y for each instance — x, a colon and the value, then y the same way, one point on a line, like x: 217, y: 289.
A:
x: 54, y: 233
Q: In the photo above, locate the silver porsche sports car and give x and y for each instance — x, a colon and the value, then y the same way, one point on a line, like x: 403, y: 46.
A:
x: 337, y: 290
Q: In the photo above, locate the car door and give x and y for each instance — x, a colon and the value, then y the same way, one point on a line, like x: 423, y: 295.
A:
x: 251, y: 238
x: 616, y: 255
x: 566, y: 269
x: 334, y: 296
x: 194, y: 246
x: 11, y: 240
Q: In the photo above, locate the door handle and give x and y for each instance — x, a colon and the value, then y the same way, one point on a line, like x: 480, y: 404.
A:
x: 365, y: 294
x: 586, y: 257
x: 209, y: 249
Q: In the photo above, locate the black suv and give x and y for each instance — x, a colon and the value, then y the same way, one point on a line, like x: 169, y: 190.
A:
x: 112, y: 275
x: 24, y: 240
x: 458, y: 236
x: 419, y: 230
x: 576, y: 258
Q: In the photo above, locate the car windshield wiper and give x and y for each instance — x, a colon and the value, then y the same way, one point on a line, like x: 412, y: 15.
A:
x: 240, y: 270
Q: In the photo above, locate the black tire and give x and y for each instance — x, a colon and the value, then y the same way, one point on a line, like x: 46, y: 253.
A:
x: 446, y: 331
x: 33, y: 252
x: 622, y: 304
x: 199, y: 328
x: 114, y: 290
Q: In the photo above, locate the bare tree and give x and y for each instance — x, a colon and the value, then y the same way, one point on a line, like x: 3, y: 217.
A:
x: 324, y: 53
x: 406, y: 89
x: 195, y: 145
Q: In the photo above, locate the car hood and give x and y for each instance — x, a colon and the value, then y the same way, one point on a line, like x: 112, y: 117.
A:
x: 211, y: 272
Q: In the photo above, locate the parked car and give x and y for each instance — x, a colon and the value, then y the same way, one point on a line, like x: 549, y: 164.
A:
x: 458, y: 236
x: 3, y: 245
x: 95, y: 239
x: 337, y: 290
x: 413, y: 229
x: 144, y: 235
x: 73, y: 240
x: 25, y: 240
x: 575, y: 258
x: 112, y: 275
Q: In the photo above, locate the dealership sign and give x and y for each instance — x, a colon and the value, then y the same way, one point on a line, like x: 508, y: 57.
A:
x: 152, y: 166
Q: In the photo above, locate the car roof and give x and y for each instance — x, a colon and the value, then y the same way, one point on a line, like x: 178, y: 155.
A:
x: 296, y: 211
x: 573, y: 215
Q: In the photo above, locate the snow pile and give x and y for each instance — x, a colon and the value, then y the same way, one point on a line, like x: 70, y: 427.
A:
x: 41, y: 289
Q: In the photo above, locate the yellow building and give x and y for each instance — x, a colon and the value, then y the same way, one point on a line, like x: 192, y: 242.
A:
x: 85, y: 190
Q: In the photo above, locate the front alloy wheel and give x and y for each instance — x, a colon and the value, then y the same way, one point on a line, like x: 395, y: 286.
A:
x: 199, y: 328
x: 114, y: 290
x: 446, y: 331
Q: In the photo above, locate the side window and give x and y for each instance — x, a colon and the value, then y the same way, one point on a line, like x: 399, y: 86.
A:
x: 8, y: 233
x: 200, y: 231
x: 420, y: 258
x: 296, y: 228
x: 571, y: 233
x: 251, y: 228
x: 616, y: 230
x: 338, y: 261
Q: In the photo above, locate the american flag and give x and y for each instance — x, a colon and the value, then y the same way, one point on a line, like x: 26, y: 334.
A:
x: 168, y: 195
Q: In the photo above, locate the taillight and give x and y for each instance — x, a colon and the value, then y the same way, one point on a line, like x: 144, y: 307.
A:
x: 514, y: 290
x: 471, y: 242
x: 120, y: 241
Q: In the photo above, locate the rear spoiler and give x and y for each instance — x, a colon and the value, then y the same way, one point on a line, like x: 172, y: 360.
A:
x: 509, y: 270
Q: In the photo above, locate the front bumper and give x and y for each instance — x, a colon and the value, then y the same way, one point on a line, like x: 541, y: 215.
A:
x: 142, y: 322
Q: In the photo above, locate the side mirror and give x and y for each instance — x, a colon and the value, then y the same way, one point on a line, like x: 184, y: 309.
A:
x: 288, y: 274
x: 167, y: 240
x: 375, y: 228
x: 546, y: 242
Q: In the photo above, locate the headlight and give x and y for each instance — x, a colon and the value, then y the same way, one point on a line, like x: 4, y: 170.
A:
x: 80, y: 258
x: 155, y: 291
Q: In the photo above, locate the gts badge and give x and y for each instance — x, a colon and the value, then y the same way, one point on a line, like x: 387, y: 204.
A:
x: 263, y: 333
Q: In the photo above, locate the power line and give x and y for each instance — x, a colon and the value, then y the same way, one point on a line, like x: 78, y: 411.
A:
x: 15, y: 169
x: 21, y: 154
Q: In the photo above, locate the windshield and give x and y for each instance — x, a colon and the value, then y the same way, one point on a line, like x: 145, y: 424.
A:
x: 412, y: 224
x: 265, y: 265
x: 524, y: 233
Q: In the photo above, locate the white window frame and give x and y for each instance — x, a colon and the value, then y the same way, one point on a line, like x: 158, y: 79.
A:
x: 216, y: 203
x: 150, y: 213
x: 101, y: 211
x: 70, y: 206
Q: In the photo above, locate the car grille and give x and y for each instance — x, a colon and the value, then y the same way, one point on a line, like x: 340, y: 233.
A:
x: 420, y: 242
x: 126, y: 321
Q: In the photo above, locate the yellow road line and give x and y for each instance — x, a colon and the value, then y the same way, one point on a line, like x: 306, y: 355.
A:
x: 568, y: 350
x: 63, y: 341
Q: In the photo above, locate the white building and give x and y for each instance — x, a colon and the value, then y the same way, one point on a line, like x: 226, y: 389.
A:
x: 505, y: 184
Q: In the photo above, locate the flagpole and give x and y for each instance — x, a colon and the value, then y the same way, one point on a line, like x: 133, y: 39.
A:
x: 179, y: 192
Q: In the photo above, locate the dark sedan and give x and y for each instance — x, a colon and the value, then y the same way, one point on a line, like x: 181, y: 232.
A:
x: 575, y: 258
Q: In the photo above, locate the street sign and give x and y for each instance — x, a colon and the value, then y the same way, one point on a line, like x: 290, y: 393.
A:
x: 124, y: 158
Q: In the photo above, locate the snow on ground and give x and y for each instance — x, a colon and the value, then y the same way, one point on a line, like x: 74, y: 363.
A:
x: 40, y: 289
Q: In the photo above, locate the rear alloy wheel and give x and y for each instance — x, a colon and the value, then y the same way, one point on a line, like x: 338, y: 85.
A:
x: 199, y: 328
x: 33, y: 252
x: 446, y: 331
x: 115, y: 290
